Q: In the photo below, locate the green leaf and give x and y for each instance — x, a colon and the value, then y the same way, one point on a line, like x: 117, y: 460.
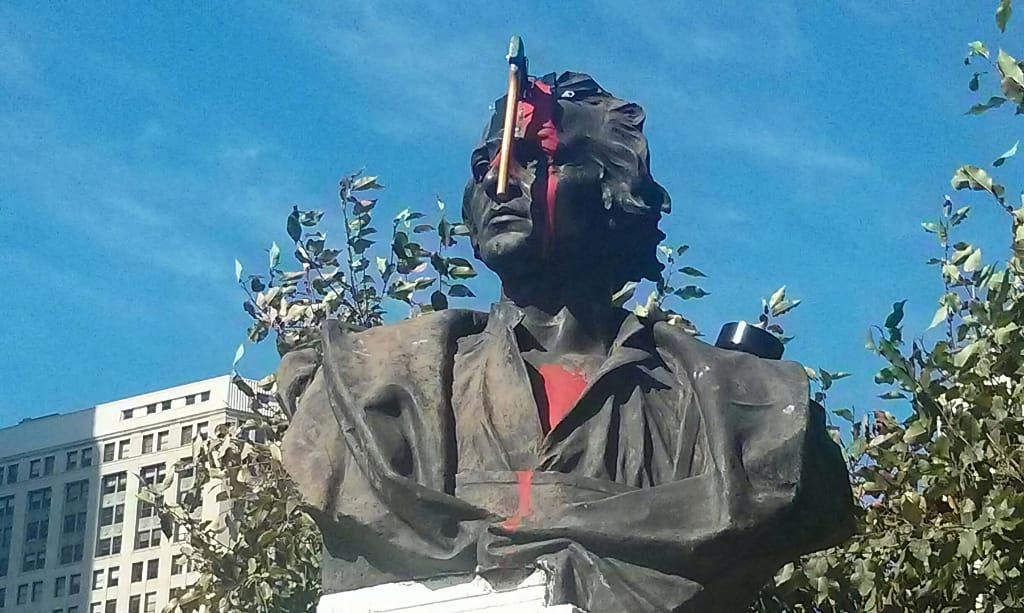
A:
x: 931, y: 227
x: 978, y: 48
x: 238, y: 271
x: 691, y: 271
x: 294, y: 227
x: 1003, y: 13
x: 690, y: 292
x: 974, y: 178
x: 274, y: 255
x: 460, y: 291
x: 992, y: 103
x: 624, y: 295
x: 238, y: 355
x: 974, y: 84
x: 892, y: 395
x: 1012, y: 151
x: 778, y: 296
x: 968, y: 541
x: 896, y: 316
x: 940, y: 316
x: 1013, y: 77
x: 845, y: 413
x: 784, y: 307
x: 365, y: 183
x: 973, y: 261
x: 438, y: 301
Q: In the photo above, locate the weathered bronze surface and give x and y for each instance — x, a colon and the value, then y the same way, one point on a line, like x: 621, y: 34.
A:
x: 681, y: 475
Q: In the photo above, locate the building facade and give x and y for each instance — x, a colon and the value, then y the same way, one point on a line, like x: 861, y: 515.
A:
x: 74, y: 536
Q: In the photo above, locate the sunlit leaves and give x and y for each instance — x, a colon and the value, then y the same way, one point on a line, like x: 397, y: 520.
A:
x: 1003, y: 13
x: 1012, y: 151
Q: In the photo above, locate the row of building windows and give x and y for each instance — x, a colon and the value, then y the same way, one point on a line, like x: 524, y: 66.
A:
x: 164, y: 405
x: 82, y: 458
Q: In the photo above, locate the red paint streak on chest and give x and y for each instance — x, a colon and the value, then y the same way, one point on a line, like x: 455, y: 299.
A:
x: 562, y: 388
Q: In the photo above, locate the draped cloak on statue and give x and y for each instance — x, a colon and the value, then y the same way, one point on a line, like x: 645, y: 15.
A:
x: 681, y: 480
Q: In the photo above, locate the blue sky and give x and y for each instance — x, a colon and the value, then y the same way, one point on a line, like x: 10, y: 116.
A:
x: 146, y: 145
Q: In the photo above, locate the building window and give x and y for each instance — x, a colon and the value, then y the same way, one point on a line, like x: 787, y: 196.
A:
x: 147, y: 537
x: 152, y: 569
x: 3, y: 566
x: 110, y: 607
x: 150, y: 409
x: 178, y: 564
x: 76, y: 490
x: 111, y: 515
x: 74, y: 523
x: 136, y: 572
x: 69, y: 554
x: 113, y: 576
x: 117, y: 482
x: 12, y: 473
x: 124, y: 448
x: 39, y: 499
x: 74, y: 584
x: 147, y: 444
x: 153, y: 474
x: 190, y: 399
x: 3, y: 597
x: 60, y: 585
x: 35, y: 468
x: 127, y: 413
x: 108, y: 546
x: 186, y: 435
x: 86, y: 457
x: 108, y: 452
x: 33, y: 561
x: 150, y: 603
x: 39, y: 529
x: 204, y: 396
x: 202, y: 429
x: 6, y: 506
x: 135, y: 604
x: 96, y: 607
x: 71, y: 462
x: 37, y: 590
x: 162, y: 440
x: 22, y: 594
x: 48, y: 465
x: 97, y: 579
x: 165, y: 405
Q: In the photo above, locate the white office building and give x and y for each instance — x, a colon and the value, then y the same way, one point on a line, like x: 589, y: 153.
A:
x: 74, y: 538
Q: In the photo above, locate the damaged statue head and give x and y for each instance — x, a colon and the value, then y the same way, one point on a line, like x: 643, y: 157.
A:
x: 642, y: 468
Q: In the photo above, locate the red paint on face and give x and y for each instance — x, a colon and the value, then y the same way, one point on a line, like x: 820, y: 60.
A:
x: 536, y: 122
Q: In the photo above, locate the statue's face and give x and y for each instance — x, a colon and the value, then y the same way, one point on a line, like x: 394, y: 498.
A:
x: 554, y: 206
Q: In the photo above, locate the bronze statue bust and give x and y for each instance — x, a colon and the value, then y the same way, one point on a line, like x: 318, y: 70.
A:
x: 644, y: 469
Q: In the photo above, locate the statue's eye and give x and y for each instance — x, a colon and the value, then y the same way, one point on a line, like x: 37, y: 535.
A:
x: 480, y: 168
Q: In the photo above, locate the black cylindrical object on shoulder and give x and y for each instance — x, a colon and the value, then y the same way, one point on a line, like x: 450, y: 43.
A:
x: 741, y: 336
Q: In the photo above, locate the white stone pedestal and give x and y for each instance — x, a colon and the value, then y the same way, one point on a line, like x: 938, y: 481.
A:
x: 510, y: 592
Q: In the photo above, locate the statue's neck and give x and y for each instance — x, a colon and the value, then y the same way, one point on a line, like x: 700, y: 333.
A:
x: 565, y: 324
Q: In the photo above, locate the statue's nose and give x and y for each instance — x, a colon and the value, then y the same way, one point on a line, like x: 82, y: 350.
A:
x: 490, y: 183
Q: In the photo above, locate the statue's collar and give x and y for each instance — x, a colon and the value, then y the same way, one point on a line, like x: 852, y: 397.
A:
x: 633, y: 334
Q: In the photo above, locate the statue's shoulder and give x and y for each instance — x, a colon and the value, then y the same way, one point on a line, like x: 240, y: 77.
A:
x: 693, y: 355
x: 423, y: 332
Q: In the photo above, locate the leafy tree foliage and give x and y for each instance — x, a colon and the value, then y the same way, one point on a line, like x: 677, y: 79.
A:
x: 941, y: 492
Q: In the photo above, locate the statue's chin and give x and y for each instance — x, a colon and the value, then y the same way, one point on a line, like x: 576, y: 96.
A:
x: 508, y: 254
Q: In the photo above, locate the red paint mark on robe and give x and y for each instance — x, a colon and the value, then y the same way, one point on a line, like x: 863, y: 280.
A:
x: 562, y: 389
x: 524, y: 483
